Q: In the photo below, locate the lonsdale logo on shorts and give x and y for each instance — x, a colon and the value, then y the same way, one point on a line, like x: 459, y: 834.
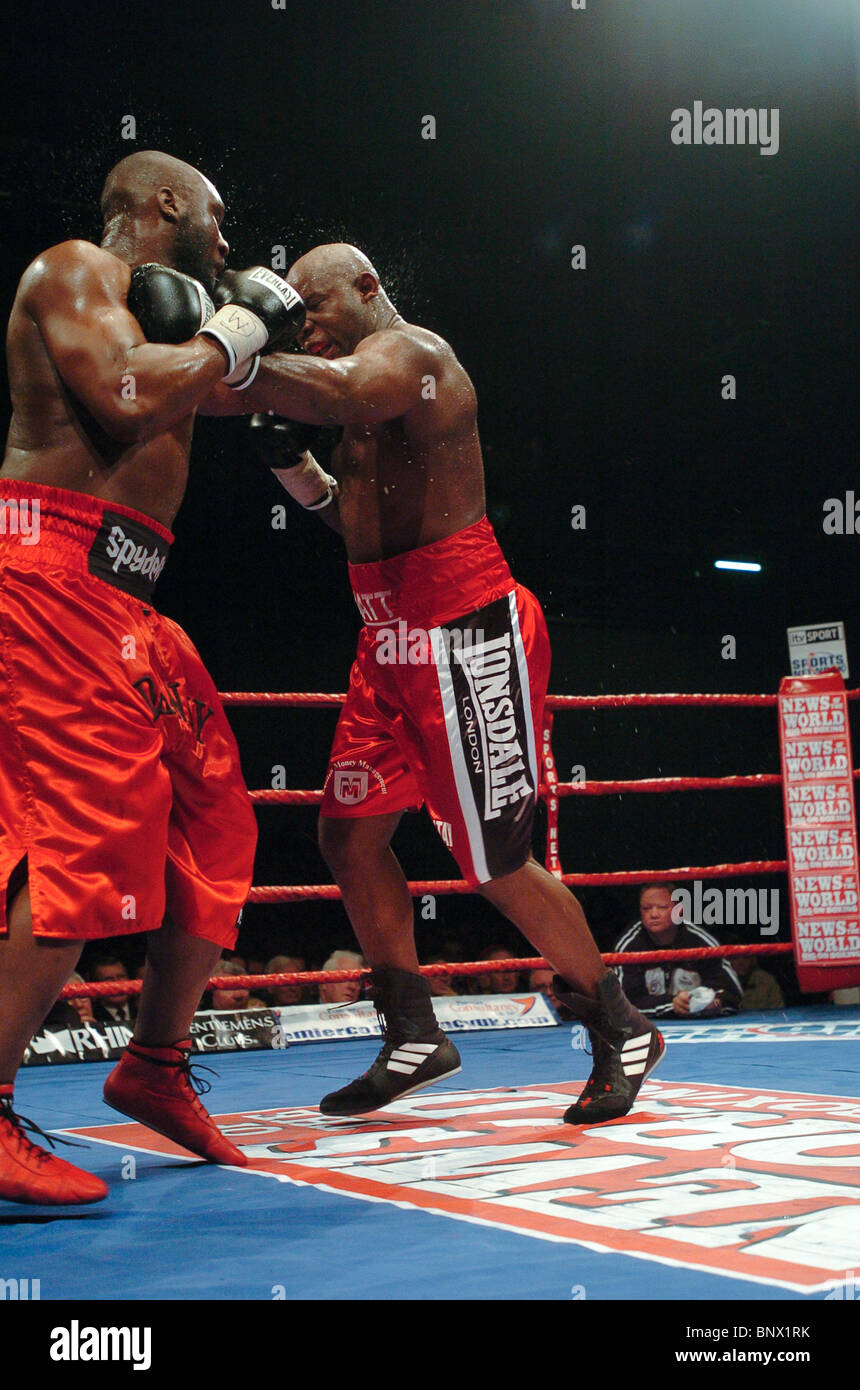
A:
x: 489, y: 723
x: 128, y: 555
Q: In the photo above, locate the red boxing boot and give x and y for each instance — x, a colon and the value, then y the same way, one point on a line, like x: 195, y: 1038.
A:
x: 31, y: 1174
x: 155, y: 1085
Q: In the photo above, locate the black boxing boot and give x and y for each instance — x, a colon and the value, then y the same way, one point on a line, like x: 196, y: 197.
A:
x: 625, y: 1045
x: 415, y: 1052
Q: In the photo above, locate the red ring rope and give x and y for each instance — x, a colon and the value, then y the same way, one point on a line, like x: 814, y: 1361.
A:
x: 99, y: 988
x: 290, y: 893
x: 550, y: 790
x: 553, y: 702
x: 292, y: 797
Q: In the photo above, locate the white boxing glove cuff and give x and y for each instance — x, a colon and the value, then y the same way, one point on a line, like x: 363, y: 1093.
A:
x: 244, y: 374
x: 307, y: 483
x: 239, y: 332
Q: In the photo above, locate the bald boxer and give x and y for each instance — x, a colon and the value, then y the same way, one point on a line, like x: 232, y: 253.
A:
x: 446, y: 695
x: 122, y: 804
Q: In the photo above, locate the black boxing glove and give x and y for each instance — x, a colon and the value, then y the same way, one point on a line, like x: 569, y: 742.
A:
x: 284, y: 445
x: 281, y: 443
x: 257, y: 310
x: 169, y: 306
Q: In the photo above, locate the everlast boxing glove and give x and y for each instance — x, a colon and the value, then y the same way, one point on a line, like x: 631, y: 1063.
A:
x: 169, y: 306
x: 283, y: 445
x: 257, y: 311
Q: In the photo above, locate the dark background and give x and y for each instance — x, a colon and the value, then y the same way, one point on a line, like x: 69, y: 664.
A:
x: 598, y: 387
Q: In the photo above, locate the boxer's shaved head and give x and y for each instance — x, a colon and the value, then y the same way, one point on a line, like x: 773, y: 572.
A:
x: 345, y: 301
x: 152, y: 199
x: 336, y: 260
x: 140, y: 176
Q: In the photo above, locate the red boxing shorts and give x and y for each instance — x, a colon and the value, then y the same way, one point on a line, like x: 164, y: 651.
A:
x: 121, y: 793
x: 445, y: 701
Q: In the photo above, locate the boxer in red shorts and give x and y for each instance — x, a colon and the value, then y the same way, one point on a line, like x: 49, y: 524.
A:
x: 446, y: 694
x: 122, y: 804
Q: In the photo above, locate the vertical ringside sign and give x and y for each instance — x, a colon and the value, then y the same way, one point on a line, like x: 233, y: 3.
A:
x: 820, y: 830
x: 549, y: 788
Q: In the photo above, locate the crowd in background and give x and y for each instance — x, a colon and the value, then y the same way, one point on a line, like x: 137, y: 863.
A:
x: 683, y: 989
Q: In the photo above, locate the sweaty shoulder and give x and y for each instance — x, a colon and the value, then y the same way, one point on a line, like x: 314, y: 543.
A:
x: 422, y: 341
x: 425, y: 350
x: 76, y: 267
x: 438, y: 348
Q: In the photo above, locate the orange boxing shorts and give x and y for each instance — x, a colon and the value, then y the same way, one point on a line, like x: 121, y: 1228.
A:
x: 121, y: 793
x: 445, y: 700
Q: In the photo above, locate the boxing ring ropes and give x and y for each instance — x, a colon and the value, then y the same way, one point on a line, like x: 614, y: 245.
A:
x: 550, y: 790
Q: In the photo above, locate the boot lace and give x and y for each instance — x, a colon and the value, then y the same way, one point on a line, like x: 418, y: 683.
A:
x: 601, y: 1051
x: 191, y: 1074
x: 388, y: 1043
x: 21, y: 1125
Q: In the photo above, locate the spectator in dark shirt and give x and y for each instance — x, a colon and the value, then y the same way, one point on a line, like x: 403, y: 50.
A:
x: 70, y: 1013
x: 703, y: 988
x: 82, y: 1004
x: 112, y: 1008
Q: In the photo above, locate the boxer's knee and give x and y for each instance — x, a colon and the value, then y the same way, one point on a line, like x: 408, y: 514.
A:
x: 340, y: 843
x: 350, y: 845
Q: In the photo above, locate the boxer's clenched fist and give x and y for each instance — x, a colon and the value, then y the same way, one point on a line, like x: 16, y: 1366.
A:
x: 284, y: 446
x: 281, y: 443
x: 169, y: 306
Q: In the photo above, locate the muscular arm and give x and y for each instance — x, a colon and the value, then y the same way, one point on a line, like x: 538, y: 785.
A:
x: 381, y: 380
x: 76, y: 295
